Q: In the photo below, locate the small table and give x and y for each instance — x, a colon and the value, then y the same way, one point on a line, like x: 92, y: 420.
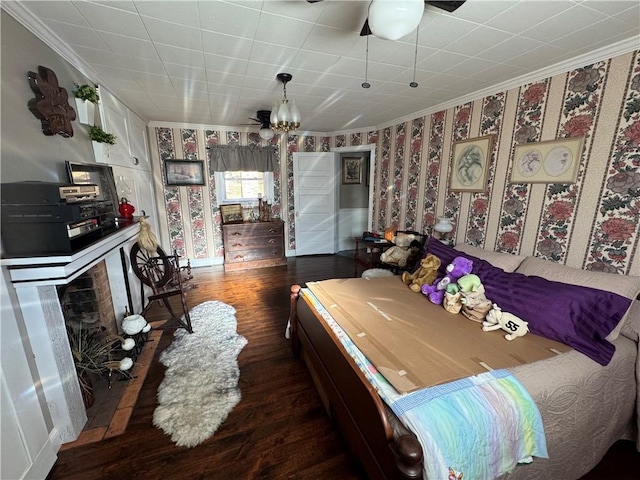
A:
x: 368, y: 252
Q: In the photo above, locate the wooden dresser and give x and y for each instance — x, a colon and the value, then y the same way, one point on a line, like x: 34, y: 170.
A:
x: 253, y: 245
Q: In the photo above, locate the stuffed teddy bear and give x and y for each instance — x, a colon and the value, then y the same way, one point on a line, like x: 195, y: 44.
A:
x: 424, y: 275
x: 458, y: 267
x: 396, y: 255
x: 403, y: 239
x: 496, y: 319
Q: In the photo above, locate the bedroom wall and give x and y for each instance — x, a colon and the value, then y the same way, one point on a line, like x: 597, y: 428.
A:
x: 592, y: 224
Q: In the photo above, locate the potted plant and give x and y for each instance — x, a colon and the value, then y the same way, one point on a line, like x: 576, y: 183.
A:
x: 86, y: 98
x: 94, y: 353
x: 99, y: 137
x: 97, y: 134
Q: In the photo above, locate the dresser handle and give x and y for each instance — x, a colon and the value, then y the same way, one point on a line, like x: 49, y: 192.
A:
x: 272, y: 230
x: 236, y: 245
x: 238, y: 257
x: 272, y: 240
x: 237, y: 234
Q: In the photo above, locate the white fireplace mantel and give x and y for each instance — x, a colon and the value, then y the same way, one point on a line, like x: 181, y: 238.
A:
x: 35, y: 280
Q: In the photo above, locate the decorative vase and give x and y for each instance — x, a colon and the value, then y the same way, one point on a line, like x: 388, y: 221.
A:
x: 126, y: 209
x: 133, y: 324
x: 86, y: 111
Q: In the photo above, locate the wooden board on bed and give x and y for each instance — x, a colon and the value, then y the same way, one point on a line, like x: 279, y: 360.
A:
x: 416, y: 344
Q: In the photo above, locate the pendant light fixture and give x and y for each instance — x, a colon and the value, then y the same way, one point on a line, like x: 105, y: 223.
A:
x: 284, y: 117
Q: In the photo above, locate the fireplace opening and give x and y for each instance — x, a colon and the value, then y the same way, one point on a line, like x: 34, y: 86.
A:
x: 86, y: 301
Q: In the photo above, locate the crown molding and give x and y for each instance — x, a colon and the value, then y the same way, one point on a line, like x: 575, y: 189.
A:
x: 24, y: 16
x: 18, y: 11
x: 228, y: 128
x: 604, y: 53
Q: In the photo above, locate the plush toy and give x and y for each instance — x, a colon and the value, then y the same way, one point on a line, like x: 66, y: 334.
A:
x: 403, y: 239
x: 458, y: 267
x: 396, y: 255
x: 452, y: 302
x: 424, y: 275
x: 469, y: 283
x: 497, y: 319
x: 475, y: 304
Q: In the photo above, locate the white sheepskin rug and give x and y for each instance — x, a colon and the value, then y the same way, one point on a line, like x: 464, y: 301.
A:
x: 200, y: 385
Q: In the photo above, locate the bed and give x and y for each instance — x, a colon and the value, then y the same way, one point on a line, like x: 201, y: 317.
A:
x: 585, y: 405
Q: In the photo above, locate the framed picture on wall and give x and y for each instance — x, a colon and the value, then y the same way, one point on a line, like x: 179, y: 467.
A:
x: 231, y: 213
x: 351, y: 170
x: 184, y: 172
x: 470, y: 164
x: 553, y: 161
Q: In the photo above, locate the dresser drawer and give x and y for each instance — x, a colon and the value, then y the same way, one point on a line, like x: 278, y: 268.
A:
x: 241, y: 242
x: 253, y: 254
x: 259, y: 229
x: 253, y: 245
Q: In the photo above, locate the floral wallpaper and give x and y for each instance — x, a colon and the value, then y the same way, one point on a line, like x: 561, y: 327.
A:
x: 593, y: 223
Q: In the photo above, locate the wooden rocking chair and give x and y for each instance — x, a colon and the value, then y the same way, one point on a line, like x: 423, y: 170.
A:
x: 165, y: 277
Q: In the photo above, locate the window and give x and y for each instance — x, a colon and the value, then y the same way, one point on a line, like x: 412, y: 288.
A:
x: 244, y: 187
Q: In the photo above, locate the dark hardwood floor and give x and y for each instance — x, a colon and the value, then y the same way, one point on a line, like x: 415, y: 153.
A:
x: 279, y: 430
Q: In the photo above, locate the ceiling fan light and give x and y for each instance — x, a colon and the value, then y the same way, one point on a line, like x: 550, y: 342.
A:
x: 393, y: 19
x: 266, y: 133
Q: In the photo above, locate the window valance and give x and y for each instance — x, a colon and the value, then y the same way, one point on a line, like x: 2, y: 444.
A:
x: 233, y: 158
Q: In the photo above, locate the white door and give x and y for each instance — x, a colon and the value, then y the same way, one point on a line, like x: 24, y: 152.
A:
x: 314, y: 180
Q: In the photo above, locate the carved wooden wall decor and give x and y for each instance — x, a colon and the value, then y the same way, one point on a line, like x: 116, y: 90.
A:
x: 51, y: 104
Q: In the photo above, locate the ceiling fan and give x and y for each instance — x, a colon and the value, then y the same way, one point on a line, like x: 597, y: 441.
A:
x: 262, y: 119
x: 447, y: 5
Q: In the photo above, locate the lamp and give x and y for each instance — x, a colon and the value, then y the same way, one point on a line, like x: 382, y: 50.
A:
x: 266, y: 132
x: 443, y: 226
x: 284, y: 118
x: 393, y: 19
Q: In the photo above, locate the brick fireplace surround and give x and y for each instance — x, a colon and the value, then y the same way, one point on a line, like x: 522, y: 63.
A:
x: 36, y: 280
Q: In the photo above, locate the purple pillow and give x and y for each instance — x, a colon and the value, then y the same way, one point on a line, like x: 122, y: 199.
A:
x: 580, y: 317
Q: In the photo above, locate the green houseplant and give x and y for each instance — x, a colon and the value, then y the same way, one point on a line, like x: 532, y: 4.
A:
x: 95, y: 353
x: 86, y: 92
x: 98, y: 135
x: 86, y: 97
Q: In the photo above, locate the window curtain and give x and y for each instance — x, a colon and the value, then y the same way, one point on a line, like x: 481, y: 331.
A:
x: 233, y: 158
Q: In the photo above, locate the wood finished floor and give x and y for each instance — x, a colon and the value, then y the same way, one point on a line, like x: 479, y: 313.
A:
x: 279, y: 430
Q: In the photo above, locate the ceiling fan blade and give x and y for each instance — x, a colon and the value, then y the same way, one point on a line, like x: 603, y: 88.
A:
x: 448, y: 5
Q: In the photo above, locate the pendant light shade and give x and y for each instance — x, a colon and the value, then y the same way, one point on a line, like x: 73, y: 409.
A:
x: 393, y: 19
x: 266, y: 133
x: 285, y: 116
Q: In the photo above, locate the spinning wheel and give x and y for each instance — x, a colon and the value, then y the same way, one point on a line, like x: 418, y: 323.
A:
x: 151, y: 270
x: 163, y: 274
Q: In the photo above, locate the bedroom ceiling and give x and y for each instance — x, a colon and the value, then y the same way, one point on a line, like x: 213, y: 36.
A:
x: 215, y: 62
